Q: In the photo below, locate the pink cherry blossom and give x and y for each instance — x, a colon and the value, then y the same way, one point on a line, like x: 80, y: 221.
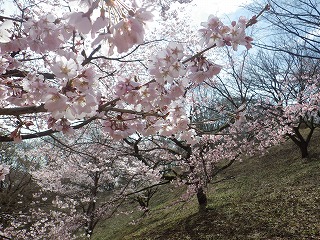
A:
x: 216, y: 33
x: 55, y: 102
x: 81, y: 22
x: 64, y: 68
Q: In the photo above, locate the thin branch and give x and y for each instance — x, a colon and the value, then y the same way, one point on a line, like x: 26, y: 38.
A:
x: 252, y: 21
x: 45, y: 133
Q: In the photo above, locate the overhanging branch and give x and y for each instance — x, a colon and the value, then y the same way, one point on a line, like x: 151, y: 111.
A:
x: 45, y: 133
x: 16, y: 111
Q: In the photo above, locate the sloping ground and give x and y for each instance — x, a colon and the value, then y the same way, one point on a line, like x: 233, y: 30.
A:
x: 275, y: 196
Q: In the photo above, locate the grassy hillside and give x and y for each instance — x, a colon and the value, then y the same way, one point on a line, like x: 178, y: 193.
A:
x: 275, y: 196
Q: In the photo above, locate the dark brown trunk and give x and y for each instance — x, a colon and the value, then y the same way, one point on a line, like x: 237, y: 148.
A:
x: 302, y: 142
x: 304, y: 150
x: 202, y: 200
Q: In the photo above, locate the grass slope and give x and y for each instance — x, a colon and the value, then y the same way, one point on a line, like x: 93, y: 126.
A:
x: 275, y: 196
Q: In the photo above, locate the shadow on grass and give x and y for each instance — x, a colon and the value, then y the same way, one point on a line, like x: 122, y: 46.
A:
x: 277, y: 219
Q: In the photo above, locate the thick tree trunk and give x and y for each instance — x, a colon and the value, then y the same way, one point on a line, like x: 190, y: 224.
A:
x: 301, y: 142
x: 303, y: 146
x: 90, y: 223
x: 202, y: 200
x: 89, y: 230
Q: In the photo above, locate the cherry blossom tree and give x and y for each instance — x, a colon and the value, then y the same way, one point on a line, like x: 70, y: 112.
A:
x: 16, y: 186
x: 66, y: 67
x: 286, y: 68
x: 278, y: 89
x: 58, y: 71
x: 289, y: 90
x: 227, y: 113
x: 82, y: 182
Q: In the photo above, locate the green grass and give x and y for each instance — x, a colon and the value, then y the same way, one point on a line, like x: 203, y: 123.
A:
x: 275, y: 196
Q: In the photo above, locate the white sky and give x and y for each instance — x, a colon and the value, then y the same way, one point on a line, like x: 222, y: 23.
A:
x: 220, y: 8
x: 201, y: 9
